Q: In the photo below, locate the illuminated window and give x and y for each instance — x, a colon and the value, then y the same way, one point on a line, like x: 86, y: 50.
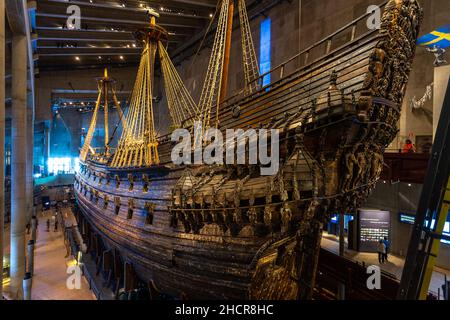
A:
x: 63, y: 165
x: 265, y: 50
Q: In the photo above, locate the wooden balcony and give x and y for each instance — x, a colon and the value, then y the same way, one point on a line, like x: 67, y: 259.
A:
x: 405, y: 167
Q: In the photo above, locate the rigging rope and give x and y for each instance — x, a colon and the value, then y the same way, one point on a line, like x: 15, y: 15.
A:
x: 87, y: 142
x: 182, y: 107
x: 211, y: 86
x: 249, y: 60
x: 138, y: 145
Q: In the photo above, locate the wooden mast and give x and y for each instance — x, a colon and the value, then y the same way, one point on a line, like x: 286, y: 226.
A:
x: 105, y: 90
x: 226, y: 62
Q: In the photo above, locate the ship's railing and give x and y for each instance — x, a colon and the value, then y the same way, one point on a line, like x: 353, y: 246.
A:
x: 312, y: 54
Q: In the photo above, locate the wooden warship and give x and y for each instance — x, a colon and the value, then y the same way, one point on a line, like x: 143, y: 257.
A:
x: 225, y: 231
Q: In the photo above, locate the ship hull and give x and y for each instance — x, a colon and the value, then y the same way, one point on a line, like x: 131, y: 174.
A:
x: 226, y: 232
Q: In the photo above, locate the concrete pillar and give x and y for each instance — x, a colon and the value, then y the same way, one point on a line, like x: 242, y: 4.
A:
x: 341, y: 235
x: 30, y: 257
x: 441, y: 77
x: 33, y: 228
x: 26, y: 286
x: 46, y: 146
x: 2, y: 138
x: 18, y: 163
x: 29, y: 166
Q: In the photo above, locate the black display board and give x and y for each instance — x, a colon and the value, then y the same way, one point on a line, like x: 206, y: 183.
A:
x: 373, y: 225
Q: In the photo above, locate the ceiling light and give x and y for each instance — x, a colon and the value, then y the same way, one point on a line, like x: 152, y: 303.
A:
x: 134, y: 45
x: 210, y: 15
x: 123, y: 5
x: 99, y: 57
x: 162, y: 8
x: 121, y: 57
x: 77, y: 58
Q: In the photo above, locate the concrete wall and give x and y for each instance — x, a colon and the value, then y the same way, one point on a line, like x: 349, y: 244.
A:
x: 402, y: 197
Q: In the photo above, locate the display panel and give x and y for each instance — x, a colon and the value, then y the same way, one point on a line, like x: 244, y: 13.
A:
x: 374, y: 225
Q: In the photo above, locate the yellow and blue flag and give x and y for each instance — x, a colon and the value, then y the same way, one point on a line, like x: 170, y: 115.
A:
x: 439, y: 38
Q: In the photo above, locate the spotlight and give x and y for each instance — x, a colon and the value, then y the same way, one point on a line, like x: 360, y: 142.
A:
x: 99, y: 57
x: 409, y: 185
x: 121, y: 57
x: 77, y: 58
x: 123, y: 5
x: 210, y: 15
x: 134, y: 45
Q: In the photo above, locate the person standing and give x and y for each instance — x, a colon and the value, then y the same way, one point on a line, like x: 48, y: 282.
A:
x: 56, y: 225
x: 387, y: 245
x: 381, y: 248
x: 48, y: 225
x: 409, y: 147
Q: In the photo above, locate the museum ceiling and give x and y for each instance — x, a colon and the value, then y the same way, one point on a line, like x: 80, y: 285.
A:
x: 106, y: 33
x: 106, y: 30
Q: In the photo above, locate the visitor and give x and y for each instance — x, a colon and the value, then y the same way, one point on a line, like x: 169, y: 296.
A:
x: 387, y: 245
x: 48, y: 225
x: 409, y: 147
x: 56, y: 225
x: 28, y: 228
x: 381, y: 248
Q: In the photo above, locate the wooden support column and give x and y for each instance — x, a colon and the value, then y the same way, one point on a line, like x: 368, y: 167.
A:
x: 18, y: 163
x: 105, y: 83
x: 2, y: 138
